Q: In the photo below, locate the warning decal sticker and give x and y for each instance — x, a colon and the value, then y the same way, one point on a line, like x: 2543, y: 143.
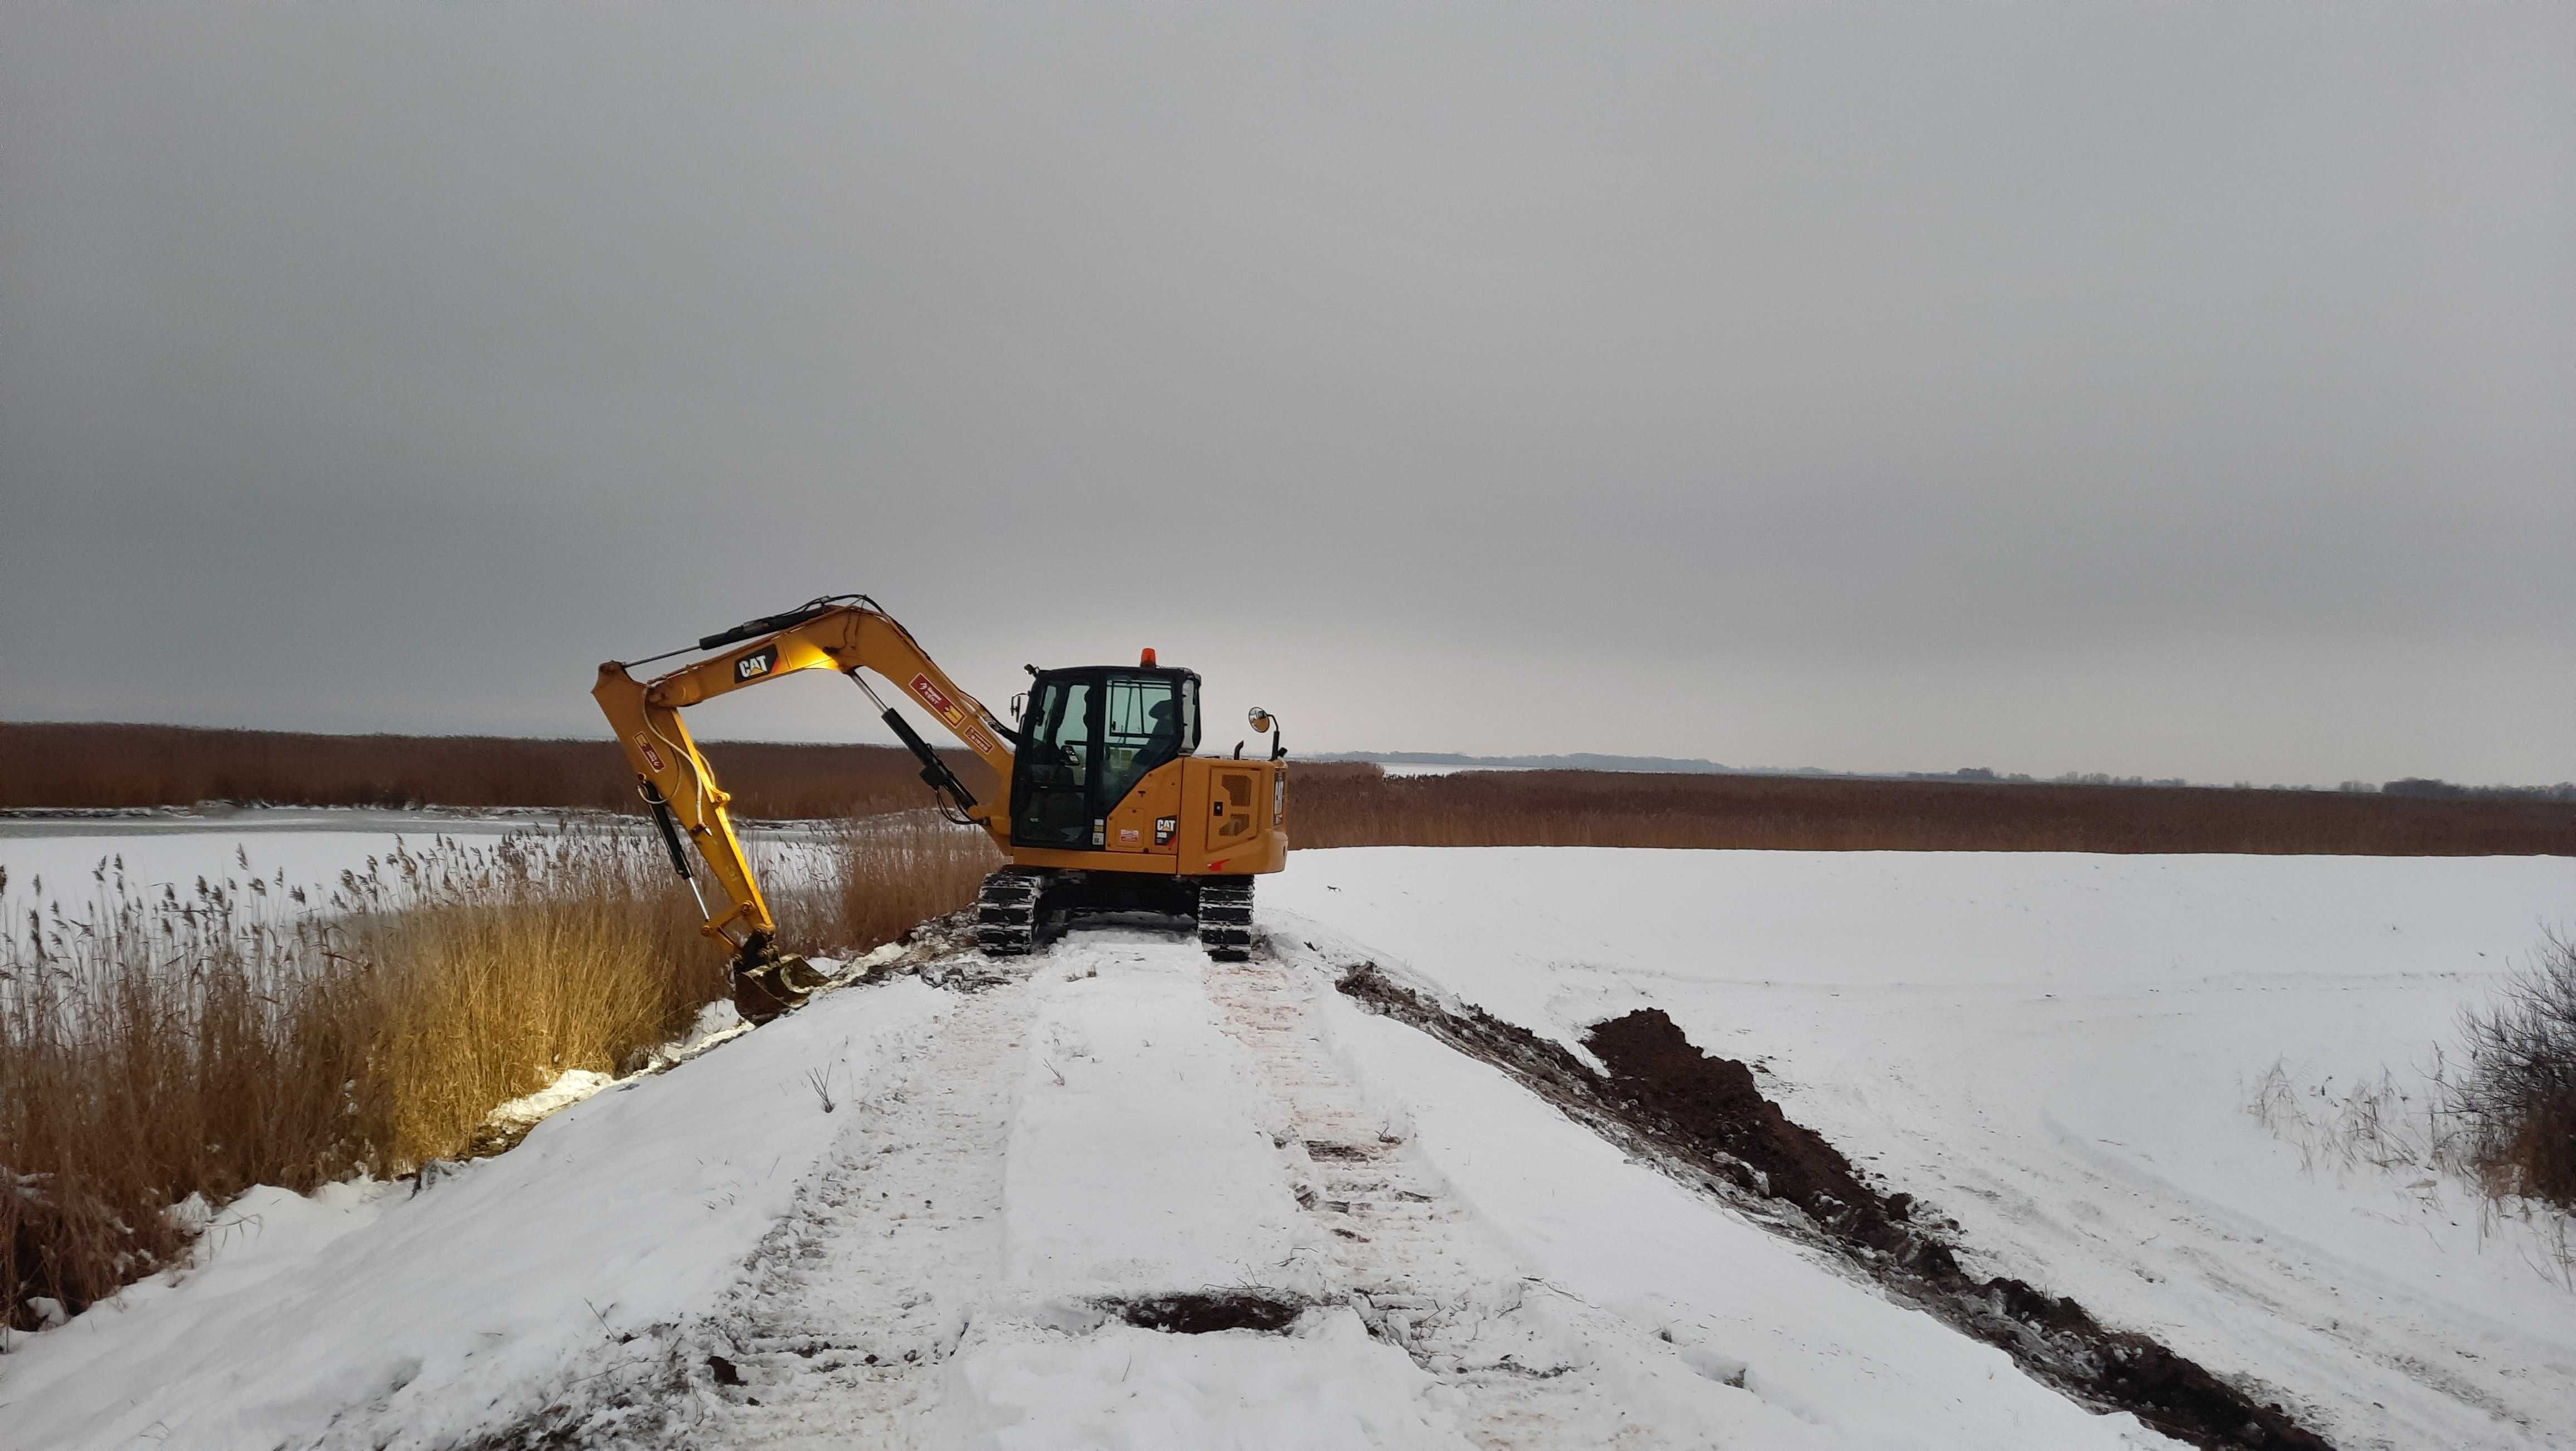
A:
x: 954, y: 714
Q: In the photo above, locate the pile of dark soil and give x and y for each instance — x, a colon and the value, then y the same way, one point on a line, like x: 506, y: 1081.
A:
x: 1706, y: 1121
x: 1206, y: 1312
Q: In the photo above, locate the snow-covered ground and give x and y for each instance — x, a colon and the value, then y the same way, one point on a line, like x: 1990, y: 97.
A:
x: 2055, y: 1051
x: 2058, y: 1051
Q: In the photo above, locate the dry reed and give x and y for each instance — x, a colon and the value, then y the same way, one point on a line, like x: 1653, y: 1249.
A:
x: 1333, y: 804
x: 195, y: 1043
x: 46, y: 765
x: 885, y: 875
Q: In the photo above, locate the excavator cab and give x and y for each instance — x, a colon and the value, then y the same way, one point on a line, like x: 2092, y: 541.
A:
x: 1087, y: 737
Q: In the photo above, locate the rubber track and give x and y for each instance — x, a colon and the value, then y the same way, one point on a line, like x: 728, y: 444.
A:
x: 1006, y: 911
x: 1225, y: 918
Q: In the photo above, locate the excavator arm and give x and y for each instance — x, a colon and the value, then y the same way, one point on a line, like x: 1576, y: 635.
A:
x: 849, y: 635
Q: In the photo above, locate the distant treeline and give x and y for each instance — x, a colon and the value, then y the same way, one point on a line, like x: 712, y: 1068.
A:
x: 2449, y: 791
x: 1692, y: 765
x: 49, y: 765
x: 2411, y: 786
x: 1331, y: 803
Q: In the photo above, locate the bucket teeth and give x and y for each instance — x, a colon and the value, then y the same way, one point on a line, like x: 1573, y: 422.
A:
x: 763, y: 991
x: 768, y: 982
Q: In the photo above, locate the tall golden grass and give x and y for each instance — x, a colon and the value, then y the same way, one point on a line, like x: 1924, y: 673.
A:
x: 245, y: 1032
x: 885, y: 875
x: 1359, y: 805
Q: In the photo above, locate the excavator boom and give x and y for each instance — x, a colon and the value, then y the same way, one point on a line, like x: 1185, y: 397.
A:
x: 680, y: 786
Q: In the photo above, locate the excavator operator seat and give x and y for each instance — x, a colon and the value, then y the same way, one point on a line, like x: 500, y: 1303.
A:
x: 1088, y: 736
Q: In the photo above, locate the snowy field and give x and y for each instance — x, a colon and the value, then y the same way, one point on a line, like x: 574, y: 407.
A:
x: 2055, y: 1051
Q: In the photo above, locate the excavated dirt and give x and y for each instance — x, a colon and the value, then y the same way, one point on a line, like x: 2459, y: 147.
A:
x: 1705, y: 1120
x: 1203, y: 1314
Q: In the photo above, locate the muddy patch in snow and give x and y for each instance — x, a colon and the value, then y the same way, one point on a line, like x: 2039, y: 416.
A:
x: 1706, y: 1121
x: 1207, y: 1312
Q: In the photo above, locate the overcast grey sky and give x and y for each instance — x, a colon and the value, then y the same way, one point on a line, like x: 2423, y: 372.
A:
x: 2163, y: 389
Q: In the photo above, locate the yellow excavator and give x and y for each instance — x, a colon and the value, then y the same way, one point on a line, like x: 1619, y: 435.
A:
x: 1105, y: 804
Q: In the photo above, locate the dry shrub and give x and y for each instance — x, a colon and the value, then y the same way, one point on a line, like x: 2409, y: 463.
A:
x: 2501, y: 1121
x: 1356, y: 804
x: 2515, y: 1098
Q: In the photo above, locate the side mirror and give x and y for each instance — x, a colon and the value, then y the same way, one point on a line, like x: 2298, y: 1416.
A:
x: 1020, y: 706
x: 1259, y: 719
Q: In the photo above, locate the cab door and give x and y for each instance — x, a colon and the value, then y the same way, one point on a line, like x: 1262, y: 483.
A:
x: 1051, y: 779
x: 1149, y: 723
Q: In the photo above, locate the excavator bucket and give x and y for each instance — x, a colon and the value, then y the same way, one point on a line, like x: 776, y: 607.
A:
x: 768, y: 983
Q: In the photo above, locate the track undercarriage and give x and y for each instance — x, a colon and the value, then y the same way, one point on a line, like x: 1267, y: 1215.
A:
x: 1022, y: 908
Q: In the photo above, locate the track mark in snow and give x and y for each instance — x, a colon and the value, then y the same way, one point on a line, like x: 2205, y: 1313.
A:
x: 1525, y: 1364
x: 1147, y: 1186
x: 859, y: 1295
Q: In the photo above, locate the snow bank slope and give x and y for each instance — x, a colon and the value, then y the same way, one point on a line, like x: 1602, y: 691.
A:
x: 2056, y: 1050
x: 1778, y: 1320
x: 366, y: 1317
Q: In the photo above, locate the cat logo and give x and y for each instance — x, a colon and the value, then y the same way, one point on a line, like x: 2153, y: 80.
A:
x: 756, y: 664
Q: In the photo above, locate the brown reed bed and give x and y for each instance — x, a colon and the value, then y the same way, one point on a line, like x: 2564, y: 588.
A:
x: 1332, y: 804
x: 195, y: 1043
x: 1359, y: 805
x: 49, y: 765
